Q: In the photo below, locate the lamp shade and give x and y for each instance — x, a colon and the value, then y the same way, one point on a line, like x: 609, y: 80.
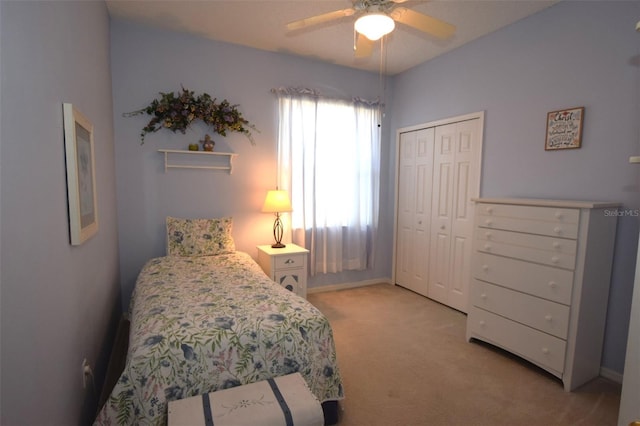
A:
x: 277, y: 201
x: 374, y: 25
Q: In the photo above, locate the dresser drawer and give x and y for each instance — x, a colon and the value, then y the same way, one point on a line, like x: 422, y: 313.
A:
x: 538, y: 347
x: 541, y: 314
x: 541, y: 242
x: 564, y: 230
x: 289, y: 261
x: 551, y: 251
x: 536, y: 213
x: 550, y: 283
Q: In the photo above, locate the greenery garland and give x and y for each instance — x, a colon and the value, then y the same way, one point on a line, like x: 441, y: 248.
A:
x: 176, y: 112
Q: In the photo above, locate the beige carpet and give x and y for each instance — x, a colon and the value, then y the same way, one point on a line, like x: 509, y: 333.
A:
x: 405, y: 361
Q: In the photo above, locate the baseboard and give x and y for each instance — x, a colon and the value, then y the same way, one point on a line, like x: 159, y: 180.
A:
x: 345, y: 286
x: 614, y: 376
x: 117, y: 360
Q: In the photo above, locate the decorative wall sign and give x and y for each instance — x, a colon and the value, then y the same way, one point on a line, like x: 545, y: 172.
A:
x: 81, y: 175
x: 564, y: 129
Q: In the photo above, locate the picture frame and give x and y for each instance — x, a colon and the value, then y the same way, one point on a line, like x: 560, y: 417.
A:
x: 564, y: 129
x: 81, y: 175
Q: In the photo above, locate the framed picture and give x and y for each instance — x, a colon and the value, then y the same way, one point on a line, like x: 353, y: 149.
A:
x: 81, y: 175
x: 564, y: 129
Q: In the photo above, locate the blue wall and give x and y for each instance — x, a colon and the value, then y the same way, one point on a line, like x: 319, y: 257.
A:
x: 572, y: 54
x: 146, y: 61
x: 57, y: 300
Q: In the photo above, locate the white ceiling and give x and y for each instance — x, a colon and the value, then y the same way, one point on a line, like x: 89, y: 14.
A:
x: 261, y: 24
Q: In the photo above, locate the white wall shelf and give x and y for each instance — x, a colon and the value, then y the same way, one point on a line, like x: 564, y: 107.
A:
x: 178, y: 152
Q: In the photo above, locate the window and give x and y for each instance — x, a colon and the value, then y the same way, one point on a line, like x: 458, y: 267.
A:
x: 329, y: 159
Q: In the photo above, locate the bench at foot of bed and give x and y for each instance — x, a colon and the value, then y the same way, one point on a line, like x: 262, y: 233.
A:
x: 284, y: 400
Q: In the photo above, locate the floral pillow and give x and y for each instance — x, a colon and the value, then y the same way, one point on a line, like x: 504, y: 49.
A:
x: 199, y: 237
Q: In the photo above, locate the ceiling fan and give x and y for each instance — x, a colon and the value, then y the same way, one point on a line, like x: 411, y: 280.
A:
x: 376, y: 19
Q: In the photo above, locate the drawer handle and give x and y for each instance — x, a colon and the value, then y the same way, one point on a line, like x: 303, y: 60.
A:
x: 556, y: 244
x: 558, y: 215
x: 557, y: 230
x: 489, y: 210
x: 487, y: 247
x: 488, y: 223
x: 419, y: 222
x: 442, y: 227
x: 483, y: 296
x: 545, y: 351
x: 488, y: 235
x: 289, y: 261
x: 552, y: 284
x: 554, y: 259
x: 548, y: 318
x: 485, y: 267
x: 482, y: 323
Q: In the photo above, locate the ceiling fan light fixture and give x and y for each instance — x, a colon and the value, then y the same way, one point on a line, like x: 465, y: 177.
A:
x: 374, y: 25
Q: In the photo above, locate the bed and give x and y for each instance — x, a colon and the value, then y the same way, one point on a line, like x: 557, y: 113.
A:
x: 206, y: 318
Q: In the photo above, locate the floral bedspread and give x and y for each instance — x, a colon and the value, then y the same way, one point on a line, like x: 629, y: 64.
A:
x: 201, y: 324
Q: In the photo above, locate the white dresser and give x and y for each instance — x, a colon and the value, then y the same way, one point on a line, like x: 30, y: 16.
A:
x: 540, y: 281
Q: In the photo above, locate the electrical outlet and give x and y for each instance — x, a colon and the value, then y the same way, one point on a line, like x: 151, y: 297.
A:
x: 86, y: 372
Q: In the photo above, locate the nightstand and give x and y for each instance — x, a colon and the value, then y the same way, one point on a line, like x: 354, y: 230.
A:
x: 286, y: 266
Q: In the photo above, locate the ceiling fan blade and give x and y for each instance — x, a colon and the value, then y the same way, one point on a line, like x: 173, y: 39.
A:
x: 319, y: 19
x: 363, y: 46
x: 422, y: 22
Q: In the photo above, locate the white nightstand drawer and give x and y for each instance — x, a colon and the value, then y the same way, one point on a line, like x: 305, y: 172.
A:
x: 290, y: 261
x: 539, y: 280
x: 536, y: 346
x: 541, y: 314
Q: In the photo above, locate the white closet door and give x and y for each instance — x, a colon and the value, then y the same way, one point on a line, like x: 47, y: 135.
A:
x: 414, y: 209
x: 456, y: 177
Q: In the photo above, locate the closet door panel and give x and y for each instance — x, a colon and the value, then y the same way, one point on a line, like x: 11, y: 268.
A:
x: 414, y: 204
x: 406, y: 206
x: 443, y: 157
x: 465, y: 187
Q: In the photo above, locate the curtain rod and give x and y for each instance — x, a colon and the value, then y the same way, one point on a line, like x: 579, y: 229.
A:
x: 313, y: 93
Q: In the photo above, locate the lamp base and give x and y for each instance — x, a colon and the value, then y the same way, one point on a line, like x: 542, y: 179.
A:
x: 277, y: 232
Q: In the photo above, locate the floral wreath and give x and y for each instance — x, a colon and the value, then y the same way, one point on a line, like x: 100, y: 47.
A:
x: 176, y: 112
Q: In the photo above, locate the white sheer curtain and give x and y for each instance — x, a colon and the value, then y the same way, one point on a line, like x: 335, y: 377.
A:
x: 329, y: 161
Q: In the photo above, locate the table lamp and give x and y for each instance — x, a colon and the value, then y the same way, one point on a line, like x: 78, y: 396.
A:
x: 277, y: 202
